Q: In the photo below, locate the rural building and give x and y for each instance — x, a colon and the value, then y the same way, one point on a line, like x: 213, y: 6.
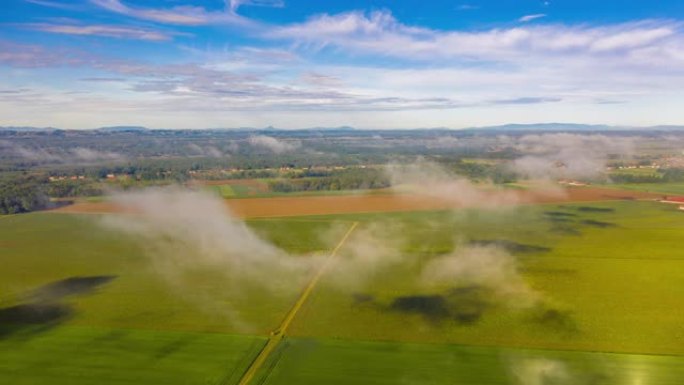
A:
x: 674, y: 200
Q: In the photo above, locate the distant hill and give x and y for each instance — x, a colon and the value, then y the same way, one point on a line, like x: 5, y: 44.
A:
x: 123, y: 129
x: 573, y: 127
x: 541, y: 127
x: 27, y: 129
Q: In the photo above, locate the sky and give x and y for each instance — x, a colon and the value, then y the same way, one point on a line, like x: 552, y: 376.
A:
x: 328, y: 63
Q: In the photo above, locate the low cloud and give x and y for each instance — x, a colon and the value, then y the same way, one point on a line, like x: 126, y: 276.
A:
x: 272, y: 144
x: 208, y: 151
x: 78, y: 154
x: 564, y: 155
x: 87, y: 154
x: 541, y: 371
x: 489, y: 268
x: 432, y: 180
x: 190, y: 234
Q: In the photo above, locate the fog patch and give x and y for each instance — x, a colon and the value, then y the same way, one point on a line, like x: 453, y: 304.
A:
x: 487, y: 267
x: 433, y: 181
x: 272, y: 144
x: 90, y: 155
x: 564, y: 155
x: 540, y: 371
x: 207, y: 151
x: 191, y: 237
x: 371, y: 251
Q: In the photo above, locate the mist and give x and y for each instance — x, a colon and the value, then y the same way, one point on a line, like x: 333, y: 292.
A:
x: 188, y: 233
x: 489, y: 268
x: 564, y: 155
x: 191, y: 229
x: 272, y: 144
x: 433, y: 181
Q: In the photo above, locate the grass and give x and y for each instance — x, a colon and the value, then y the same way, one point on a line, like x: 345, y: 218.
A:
x: 72, y: 355
x: 41, y: 248
x: 658, y: 188
x: 332, y: 362
x: 612, y: 272
x: 605, y: 284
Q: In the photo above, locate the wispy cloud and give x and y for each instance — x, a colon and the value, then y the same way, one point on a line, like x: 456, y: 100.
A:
x: 180, y: 15
x: 467, y: 7
x: 235, y: 4
x: 114, y: 31
x: 55, y: 4
x: 528, y: 18
x: 379, y: 33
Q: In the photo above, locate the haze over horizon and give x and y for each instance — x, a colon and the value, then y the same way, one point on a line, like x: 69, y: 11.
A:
x: 380, y: 64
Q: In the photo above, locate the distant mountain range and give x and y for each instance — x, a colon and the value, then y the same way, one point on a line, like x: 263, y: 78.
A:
x: 556, y: 127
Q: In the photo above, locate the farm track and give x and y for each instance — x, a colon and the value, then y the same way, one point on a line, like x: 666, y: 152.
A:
x: 278, y: 334
x: 377, y: 203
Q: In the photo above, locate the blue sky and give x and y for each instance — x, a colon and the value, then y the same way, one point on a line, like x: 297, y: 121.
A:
x: 372, y: 64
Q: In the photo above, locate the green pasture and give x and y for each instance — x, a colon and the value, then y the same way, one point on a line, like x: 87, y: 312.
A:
x: 41, y: 248
x: 611, y: 276
x: 76, y: 355
x: 324, y: 361
x: 658, y: 188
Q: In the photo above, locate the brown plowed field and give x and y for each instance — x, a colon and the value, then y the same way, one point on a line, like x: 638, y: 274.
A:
x: 344, y: 204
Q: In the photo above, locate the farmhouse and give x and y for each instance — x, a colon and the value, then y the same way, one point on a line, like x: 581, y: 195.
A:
x: 674, y: 200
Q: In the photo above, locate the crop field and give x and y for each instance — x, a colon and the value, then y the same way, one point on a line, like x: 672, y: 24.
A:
x: 79, y: 355
x: 606, y: 277
x: 290, y: 206
x: 325, y: 361
x: 601, y: 295
x: 656, y: 188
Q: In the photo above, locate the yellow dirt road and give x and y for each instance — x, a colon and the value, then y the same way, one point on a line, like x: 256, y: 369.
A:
x: 278, y: 334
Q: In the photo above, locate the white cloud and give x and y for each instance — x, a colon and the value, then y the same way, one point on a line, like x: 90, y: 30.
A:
x: 180, y: 15
x: 272, y: 144
x: 528, y: 18
x: 120, y: 32
x: 379, y: 33
x: 235, y: 4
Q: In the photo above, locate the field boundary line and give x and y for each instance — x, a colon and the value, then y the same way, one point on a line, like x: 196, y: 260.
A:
x: 278, y: 334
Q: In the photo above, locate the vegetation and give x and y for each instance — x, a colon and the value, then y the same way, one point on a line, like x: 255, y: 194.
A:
x: 316, y: 361
x: 86, y: 356
x: 22, y: 194
x: 636, y: 256
x: 346, y: 179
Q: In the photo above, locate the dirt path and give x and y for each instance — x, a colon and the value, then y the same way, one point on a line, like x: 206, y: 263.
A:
x: 345, y: 204
x: 278, y: 334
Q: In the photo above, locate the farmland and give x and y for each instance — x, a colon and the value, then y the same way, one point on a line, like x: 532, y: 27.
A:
x: 625, y: 274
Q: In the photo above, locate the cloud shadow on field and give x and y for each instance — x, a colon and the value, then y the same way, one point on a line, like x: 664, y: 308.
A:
x: 511, y: 246
x: 590, y: 209
x: 558, y: 214
x: 558, y: 320
x: 44, y: 309
x: 600, y: 224
x: 463, y: 305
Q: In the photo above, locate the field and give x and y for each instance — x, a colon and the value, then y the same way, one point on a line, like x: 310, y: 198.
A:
x: 655, y: 188
x: 341, y: 204
x: 610, y: 274
x: 317, y: 361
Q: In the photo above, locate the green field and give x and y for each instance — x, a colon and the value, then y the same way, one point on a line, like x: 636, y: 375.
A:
x: 75, y: 355
x: 658, y: 188
x: 606, y: 282
x: 323, y: 361
x: 611, y: 276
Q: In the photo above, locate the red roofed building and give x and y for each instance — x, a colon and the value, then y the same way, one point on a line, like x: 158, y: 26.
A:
x: 676, y: 200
